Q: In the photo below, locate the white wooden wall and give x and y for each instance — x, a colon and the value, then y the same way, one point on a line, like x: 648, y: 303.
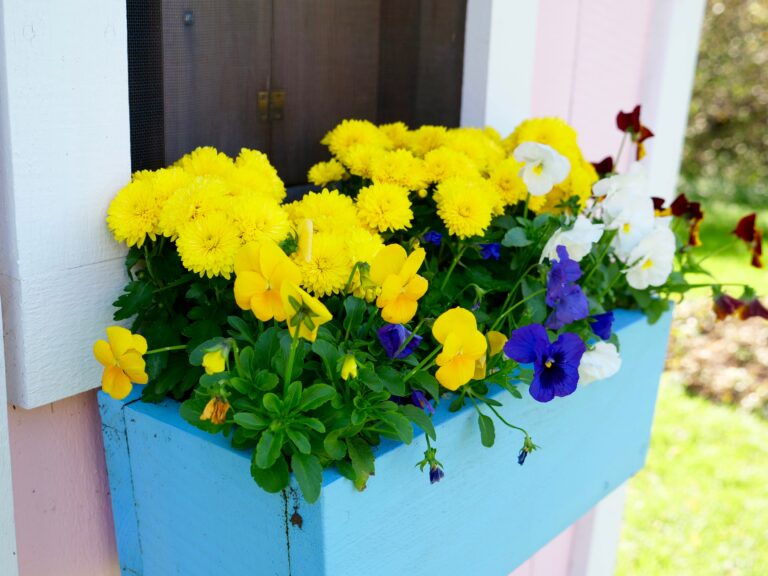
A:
x: 8, y: 559
x: 64, y: 152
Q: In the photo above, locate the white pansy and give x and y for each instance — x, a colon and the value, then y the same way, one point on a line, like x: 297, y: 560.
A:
x: 652, y: 259
x: 578, y: 240
x: 632, y: 217
x: 544, y: 167
x: 599, y: 363
x: 635, y: 181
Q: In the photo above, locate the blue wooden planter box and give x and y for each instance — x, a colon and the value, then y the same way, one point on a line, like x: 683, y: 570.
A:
x: 184, y: 501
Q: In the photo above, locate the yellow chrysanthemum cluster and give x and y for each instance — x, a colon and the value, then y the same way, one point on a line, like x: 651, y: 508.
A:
x: 208, y: 203
x: 469, y: 173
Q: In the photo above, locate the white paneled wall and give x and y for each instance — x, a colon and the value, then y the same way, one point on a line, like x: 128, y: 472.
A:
x: 64, y: 152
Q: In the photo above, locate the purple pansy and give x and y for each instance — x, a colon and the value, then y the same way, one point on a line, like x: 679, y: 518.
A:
x: 567, y: 298
x: 392, y: 337
x: 435, y: 474
x: 601, y: 325
x: 490, y: 251
x: 419, y: 399
x: 521, y: 456
x: 433, y: 237
x: 556, y: 365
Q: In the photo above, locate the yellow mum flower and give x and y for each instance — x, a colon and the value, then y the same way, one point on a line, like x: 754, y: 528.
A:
x: 476, y: 145
x: 362, y: 245
x: 208, y: 245
x: 134, y: 213
x: 397, y: 133
x: 425, y: 139
x: 352, y: 133
x: 215, y: 411
x: 401, y: 286
x: 166, y: 181
x: 463, y: 345
x: 122, y: 357
x: 305, y: 313
x: 443, y: 163
x: 323, y: 173
x: 254, y: 174
x: 329, y: 210
x: 384, y: 207
x: 463, y: 210
x: 328, y: 267
x: 202, y: 197
x: 260, y: 271
x: 359, y: 159
x: 399, y: 167
x: 506, y: 177
x: 553, y: 132
x: 257, y: 219
x: 207, y: 161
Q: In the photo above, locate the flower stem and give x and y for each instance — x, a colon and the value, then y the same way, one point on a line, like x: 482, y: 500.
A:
x: 453, y: 266
x: 421, y: 364
x: 410, y: 337
x: 621, y: 149
x: 600, y: 257
x: 351, y: 277
x: 166, y: 349
x: 527, y: 201
x: 291, y: 358
x: 508, y: 310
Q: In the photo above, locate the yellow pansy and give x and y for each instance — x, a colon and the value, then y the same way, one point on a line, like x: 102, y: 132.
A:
x: 496, y: 341
x: 122, y: 357
x: 349, y: 367
x: 215, y: 361
x: 463, y: 345
x: 260, y: 271
x: 305, y: 313
x: 215, y: 411
x: 395, y: 272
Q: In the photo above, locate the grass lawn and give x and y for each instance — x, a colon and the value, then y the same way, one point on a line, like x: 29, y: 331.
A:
x: 700, y: 507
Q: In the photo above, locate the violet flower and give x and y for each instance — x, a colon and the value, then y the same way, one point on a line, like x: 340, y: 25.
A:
x: 521, y: 456
x: 490, y: 251
x: 420, y: 400
x: 556, y: 365
x: 433, y: 237
x: 601, y: 325
x: 567, y: 298
x: 435, y: 474
x: 392, y: 337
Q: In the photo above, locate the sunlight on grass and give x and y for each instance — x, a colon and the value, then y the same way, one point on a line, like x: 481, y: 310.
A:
x: 700, y: 507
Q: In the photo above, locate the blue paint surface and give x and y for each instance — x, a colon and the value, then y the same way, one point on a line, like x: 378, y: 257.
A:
x: 197, y: 511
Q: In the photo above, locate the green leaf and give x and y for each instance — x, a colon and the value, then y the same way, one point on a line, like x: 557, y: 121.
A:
x: 272, y: 403
x: 368, y: 377
x: 309, y: 475
x: 354, y: 309
x: 329, y: 354
x: 427, y: 382
x: 251, y: 421
x: 292, y: 396
x: 515, y: 237
x: 299, y: 440
x: 315, y: 396
x: 487, y: 430
x: 361, y: 455
x: 272, y: 479
x: 265, y: 380
x: 334, y: 446
x: 393, y: 380
x: 138, y: 296
x: 420, y: 418
x: 312, y: 423
x: 400, y: 424
x: 268, y: 449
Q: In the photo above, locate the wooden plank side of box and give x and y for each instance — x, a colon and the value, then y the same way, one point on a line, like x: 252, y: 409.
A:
x: 198, y: 511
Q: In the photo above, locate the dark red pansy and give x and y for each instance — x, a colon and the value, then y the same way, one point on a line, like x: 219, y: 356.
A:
x: 725, y: 305
x: 753, y: 309
x: 745, y: 229
x: 658, y: 204
x: 604, y: 167
x: 681, y: 207
x: 757, y: 250
x: 629, y: 121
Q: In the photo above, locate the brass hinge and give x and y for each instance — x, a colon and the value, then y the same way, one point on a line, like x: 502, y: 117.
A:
x: 271, y: 105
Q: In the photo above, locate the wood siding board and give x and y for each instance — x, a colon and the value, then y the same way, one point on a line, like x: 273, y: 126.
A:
x: 8, y: 558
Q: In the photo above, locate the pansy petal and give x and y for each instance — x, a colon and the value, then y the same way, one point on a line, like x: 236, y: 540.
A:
x: 103, y: 353
x: 115, y: 383
x: 399, y: 311
x: 569, y: 348
x: 247, y: 259
x: 474, y: 344
x: 262, y: 305
x: 526, y: 344
x: 567, y: 382
x: 417, y: 287
x: 389, y: 260
x: 496, y: 341
x: 538, y: 391
x: 270, y: 256
x: 458, y: 320
x: 140, y: 344
x: 413, y: 263
x: 120, y: 340
x: 247, y: 284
